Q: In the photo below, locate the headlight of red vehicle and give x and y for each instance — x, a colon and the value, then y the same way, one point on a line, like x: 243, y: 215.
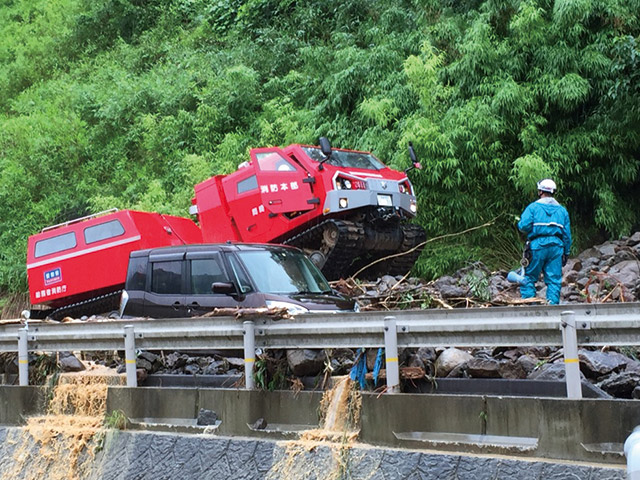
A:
x: 348, y: 183
x: 405, y: 187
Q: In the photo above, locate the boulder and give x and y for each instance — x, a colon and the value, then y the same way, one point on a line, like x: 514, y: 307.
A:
x: 259, y: 424
x: 304, y: 362
x: 150, y: 357
x: 235, y: 362
x: 589, y: 264
x: 215, y: 367
x: 621, y: 385
x: 449, y: 359
x: 528, y: 363
x: 427, y: 354
x: 594, y: 364
x: 206, y: 417
x: 483, y: 368
x: 176, y: 360
x: 416, y: 361
x: 144, y: 364
x: 623, y: 255
x: 573, y: 264
x: 626, y: 272
x: 589, y: 253
x: 551, y: 371
x: 606, y: 250
x: 633, y: 239
x: 68, y: 362
x: 571, y: 276
x: 512, y: 370
x: 141, y: 375
x: 459, y: 371
x: 449, y: 287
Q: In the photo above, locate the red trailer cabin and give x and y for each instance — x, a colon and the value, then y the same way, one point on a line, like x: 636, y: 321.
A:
x: 86, y: 259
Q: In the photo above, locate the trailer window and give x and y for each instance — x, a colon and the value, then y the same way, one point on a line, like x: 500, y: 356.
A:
x: 204, y: 272
x: 57, y: 244
x: 248, y: 184
x: 103, y: 231
x: 166, y: 277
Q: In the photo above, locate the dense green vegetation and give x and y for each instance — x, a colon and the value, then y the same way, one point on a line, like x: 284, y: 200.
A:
x: 129, y: 103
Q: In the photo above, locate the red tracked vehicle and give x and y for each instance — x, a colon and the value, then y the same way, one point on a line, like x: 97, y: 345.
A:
x: 344, y: 208
x: 80, y: 267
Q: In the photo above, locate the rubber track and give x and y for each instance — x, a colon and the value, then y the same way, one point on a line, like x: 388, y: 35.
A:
x: 93, y: 306
x: 413, y: 235
x: 339, y: 258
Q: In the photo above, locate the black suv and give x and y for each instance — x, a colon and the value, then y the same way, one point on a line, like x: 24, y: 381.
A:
x: 191, y: 280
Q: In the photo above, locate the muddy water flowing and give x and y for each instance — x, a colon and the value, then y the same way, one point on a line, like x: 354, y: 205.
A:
x: 340, y: 411
x: 62, y: 444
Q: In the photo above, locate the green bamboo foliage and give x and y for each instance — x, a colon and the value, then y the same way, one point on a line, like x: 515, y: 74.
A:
x: 125, y: 103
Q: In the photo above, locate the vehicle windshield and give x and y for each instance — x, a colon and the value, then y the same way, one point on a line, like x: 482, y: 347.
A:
x: 340, y: 158
x: 283, y: 271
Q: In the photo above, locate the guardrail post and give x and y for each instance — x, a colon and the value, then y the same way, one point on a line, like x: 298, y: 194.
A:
x: 249, y: 353
x: 570, y: 348
x: 130, y: 355
x: 23, y: 357
x: 391, y: 354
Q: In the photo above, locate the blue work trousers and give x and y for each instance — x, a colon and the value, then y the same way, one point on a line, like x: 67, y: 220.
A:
x: 547, y: 259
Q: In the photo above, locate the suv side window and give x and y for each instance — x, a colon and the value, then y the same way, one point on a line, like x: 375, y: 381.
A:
x: 204, y: 272
x: 137, y: 273
x: 166, y: 277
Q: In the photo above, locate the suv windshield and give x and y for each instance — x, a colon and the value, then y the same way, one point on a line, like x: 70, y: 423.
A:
x: 341, y: 158
x: 283, y: 271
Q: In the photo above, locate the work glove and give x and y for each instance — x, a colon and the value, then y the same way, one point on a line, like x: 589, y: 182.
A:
x: 564, y: 259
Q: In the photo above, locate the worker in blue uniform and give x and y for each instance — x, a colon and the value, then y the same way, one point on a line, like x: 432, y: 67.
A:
x: 546, y: 224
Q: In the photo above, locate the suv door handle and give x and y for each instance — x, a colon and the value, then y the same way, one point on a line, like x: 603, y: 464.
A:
x: 176, y: 305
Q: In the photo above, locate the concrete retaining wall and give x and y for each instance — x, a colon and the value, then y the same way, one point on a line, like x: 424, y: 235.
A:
x: 591, y: 430
x: 19, y: 402
x: 405, y: 429
x: 154, y: 456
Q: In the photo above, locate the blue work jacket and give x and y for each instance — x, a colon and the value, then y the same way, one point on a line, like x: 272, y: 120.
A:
x: 546, y: 222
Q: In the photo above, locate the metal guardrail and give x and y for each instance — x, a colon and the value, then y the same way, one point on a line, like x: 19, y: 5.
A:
x: 598, y: 325
x: 595, y: 325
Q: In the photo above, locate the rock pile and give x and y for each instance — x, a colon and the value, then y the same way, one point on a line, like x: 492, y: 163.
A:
x: 609, y: 272
x: 616, y: 374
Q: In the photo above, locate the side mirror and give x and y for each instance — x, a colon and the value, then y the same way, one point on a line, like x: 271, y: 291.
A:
x: 226, y: 288
x: 325, y: 147
x: 414, y: 159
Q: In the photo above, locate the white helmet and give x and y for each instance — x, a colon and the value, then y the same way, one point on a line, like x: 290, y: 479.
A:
x: 547, y: 185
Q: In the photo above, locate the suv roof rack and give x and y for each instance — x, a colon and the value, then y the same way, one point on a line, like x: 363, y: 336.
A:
x: 76, y: 220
